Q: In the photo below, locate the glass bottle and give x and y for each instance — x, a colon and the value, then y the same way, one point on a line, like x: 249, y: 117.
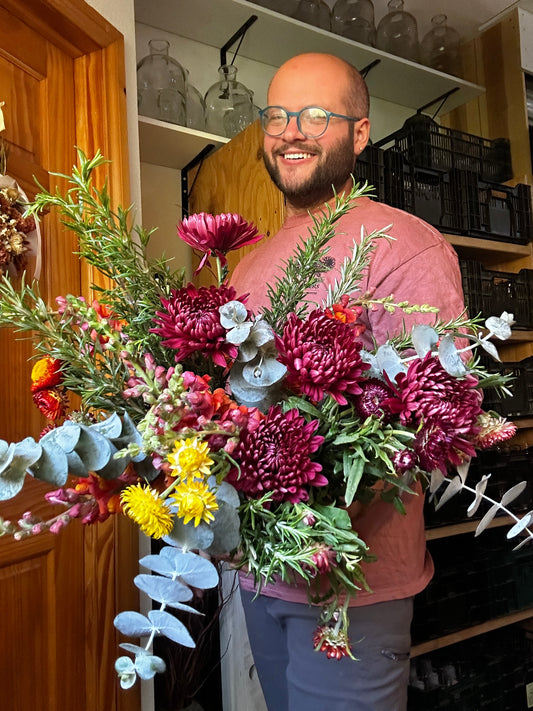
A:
x: 195, y: 108
x: 397, y: 32
x: 161, y: 85
x: 440, y: 47
x: 314, y: 12
x: 228, y: 104
x: 354, y: 19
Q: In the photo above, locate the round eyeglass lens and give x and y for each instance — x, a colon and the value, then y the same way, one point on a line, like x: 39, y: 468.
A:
x: 313, y: 121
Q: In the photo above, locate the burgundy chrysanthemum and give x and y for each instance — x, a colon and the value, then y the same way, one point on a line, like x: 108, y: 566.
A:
x: 372, y: 400
x: 322, y: 356
x: 190, y: 322
x: 445, y: 406
x: 217, y: 234
x: 275, y: 457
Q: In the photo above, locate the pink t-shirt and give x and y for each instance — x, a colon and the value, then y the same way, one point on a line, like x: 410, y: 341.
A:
x: 419, y: 267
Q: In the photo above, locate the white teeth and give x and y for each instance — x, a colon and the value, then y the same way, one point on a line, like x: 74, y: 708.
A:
x: 296, y: 156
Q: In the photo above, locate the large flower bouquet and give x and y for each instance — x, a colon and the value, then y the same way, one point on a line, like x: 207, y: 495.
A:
x: 232, y: 434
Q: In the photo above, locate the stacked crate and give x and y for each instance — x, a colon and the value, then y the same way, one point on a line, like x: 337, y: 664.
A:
x: 455, y: 181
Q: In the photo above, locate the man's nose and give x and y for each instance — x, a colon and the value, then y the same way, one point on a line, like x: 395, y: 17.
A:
x: 292, y: 132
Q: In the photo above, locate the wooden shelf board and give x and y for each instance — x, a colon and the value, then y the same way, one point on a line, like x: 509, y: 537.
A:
x: 489, y: 248
x: 274, y: 38
x: 454, y: 637
x: 456, y: 529
x: 170, y: 145
x: 523, y: 423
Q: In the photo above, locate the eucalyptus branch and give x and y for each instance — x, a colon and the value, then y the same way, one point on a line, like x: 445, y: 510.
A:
x: 522, y: 524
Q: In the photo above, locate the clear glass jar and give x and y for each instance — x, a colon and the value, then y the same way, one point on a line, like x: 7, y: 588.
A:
x: 195, y: 108
x: 354, y: 19
x: 314, y: 12
x: 228, y: 104
x: 161, y: 85
x: 397, y: 32
x: 440, y: 47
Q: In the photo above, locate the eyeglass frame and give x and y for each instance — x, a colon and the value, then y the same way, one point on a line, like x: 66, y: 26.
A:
x: 297, y: 114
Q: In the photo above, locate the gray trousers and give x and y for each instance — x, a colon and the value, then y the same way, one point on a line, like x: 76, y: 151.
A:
x: 296, y: 678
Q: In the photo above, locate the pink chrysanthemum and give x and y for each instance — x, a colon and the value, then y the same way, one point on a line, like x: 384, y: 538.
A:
x: 217, y: 234
x: 275, y: 457
x: 190, y: 323
x: 445, y: 406
x: 322, y: 356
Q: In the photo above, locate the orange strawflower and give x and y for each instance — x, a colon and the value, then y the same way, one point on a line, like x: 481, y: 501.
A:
x: 46, y: 374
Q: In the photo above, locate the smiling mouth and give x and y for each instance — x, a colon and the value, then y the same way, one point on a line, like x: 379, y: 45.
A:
x: 296, y: 156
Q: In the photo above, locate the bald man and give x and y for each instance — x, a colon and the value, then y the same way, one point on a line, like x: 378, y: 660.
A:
x: 315, y: 125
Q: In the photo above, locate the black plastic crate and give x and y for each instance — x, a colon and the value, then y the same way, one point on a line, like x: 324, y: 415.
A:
x: 493, y: 292
x: 370, y: 166
x: 426, y: 144
x: 431, y: 195
x: 496, y: 211
x: 520, y: 404
x: 489, y: 673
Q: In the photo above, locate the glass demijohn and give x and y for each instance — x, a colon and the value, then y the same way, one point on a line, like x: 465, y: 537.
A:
x: 228, y: 104
x: 354, y: 19
x: 397, y: 32
x: 440, y: 47
x: 314, y: 12
x: 161, y: 85
x: 195, y: 108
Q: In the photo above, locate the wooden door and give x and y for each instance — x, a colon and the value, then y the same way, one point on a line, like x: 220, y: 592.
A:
x: 62, y: 81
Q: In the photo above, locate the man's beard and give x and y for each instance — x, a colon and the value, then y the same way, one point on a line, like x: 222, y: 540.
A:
x: 329, y: 174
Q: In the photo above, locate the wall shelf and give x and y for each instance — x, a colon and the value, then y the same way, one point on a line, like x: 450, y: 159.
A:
x: 494, y: 624
x: 273, y: 38
x: 456, y: 529
x: 487, y: 249
x: 170, y: 145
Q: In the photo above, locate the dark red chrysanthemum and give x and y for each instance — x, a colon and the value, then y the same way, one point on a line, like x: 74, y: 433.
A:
x: 275, y: 457
x: 372, y: 399
x: 446, y: 407
x: 190, y: 323
x: 322, y: 356
x: 217, y: 234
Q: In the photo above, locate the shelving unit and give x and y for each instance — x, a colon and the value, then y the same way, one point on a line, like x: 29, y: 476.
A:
x: 172, y: 146
x: 470, y: 632
x: 273, y: 38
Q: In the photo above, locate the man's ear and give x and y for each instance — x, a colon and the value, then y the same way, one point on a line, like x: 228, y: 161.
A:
x: 361, y: 135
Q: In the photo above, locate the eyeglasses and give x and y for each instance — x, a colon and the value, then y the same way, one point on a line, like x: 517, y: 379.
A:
x: 312, y: 121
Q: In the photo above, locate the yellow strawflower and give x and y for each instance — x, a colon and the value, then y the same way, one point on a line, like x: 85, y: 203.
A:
x: 143, y: 505
x: 190, y: 457
x: 194, y: 501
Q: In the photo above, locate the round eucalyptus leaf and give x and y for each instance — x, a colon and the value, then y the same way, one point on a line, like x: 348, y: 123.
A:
x: 166, y: 624
x: 52, y: 465
x: 133, y: 624
x: 163, y: 589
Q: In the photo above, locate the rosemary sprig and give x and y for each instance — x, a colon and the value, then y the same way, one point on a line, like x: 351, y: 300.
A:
x: 304, y: 270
